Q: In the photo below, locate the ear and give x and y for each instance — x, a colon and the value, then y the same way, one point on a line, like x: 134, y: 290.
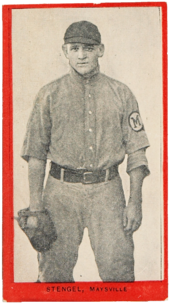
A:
x: 65, y: 50
x: 100, y: 50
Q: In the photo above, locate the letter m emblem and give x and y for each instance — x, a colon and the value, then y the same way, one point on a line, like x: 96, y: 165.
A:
x: 135, y: 121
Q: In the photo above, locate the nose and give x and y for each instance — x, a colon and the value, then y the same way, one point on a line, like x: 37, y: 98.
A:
x: 82, y: 53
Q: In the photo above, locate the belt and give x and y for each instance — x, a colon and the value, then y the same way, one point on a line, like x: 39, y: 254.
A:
x: 82, y: 175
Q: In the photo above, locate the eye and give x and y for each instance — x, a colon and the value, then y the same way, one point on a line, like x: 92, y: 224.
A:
x: 74, y: 48
x: 89, y: 48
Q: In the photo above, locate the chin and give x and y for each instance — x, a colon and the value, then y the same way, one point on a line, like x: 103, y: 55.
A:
x: 83, y: 71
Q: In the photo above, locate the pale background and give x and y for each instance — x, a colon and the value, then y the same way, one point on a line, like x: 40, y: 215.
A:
x: 133, y: 55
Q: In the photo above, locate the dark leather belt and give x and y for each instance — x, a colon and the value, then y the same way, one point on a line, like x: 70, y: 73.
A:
x: 81, y: 175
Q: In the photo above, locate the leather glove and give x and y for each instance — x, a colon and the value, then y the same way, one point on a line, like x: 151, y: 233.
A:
x: 43, y: 233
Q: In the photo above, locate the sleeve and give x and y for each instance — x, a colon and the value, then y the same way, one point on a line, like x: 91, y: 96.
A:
x: 134, y: 135
x: 38, y: 133
x: 138, y: 159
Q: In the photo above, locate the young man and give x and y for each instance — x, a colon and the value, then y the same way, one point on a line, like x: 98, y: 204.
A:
x: 85, y: 123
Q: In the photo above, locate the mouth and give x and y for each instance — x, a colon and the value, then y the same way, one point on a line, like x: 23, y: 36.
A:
x: 82, y: 63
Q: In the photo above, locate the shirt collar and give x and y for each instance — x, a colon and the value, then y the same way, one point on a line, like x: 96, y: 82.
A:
x: 92, y: 77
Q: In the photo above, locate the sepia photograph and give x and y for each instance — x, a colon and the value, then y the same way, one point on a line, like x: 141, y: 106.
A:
x: 84, y: 121
x: 88, y: 129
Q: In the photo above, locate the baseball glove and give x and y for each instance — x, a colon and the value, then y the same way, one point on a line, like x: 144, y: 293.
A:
x: 42, y: 234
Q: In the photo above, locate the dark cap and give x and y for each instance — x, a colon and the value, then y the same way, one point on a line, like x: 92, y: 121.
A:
x: 82, y: 32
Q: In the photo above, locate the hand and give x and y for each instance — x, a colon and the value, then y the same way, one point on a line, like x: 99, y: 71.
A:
x: 132, y: 217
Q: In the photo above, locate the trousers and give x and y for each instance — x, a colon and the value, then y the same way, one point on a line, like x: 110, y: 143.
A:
x: 99, y: 207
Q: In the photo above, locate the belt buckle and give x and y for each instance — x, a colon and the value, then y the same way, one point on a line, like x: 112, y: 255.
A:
x: 86, y: 179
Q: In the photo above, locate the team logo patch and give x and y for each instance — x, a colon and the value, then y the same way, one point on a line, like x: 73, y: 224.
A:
x: 135, y: 121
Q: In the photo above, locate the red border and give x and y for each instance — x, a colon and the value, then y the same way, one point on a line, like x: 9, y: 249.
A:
x: 13, y: 292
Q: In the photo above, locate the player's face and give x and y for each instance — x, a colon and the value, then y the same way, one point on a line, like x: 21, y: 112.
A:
x: 83, y: 57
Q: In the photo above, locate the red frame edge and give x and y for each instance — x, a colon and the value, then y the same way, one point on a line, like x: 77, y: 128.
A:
x: 14, y: 292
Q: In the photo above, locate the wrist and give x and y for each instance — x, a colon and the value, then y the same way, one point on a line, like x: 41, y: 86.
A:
x: 36, y: 206
x: 135, y: 196
x: 134, y: 201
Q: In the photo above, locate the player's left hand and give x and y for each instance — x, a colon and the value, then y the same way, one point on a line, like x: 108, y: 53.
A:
x: 132, y: 217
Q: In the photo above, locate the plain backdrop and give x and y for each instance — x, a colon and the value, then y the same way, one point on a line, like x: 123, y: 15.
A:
x: 133, y: 55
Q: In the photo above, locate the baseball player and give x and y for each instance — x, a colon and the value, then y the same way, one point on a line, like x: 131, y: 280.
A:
x: 85, y: 123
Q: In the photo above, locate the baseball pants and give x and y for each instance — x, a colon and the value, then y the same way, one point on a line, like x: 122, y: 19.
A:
x: 99, y: 207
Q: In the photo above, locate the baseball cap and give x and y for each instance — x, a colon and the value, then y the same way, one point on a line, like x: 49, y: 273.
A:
x: 82, y: 32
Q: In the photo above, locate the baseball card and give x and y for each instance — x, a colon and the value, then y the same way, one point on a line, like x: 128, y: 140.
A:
x: 85, y: 152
